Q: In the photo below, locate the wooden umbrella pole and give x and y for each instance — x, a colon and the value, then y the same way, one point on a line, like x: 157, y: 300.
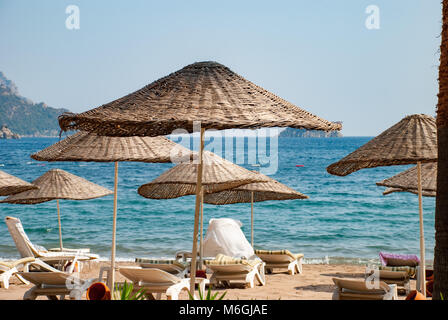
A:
x: 252, y: 218
x: 60, y: 225
x: 422, y: 237
x: 111, y: 279
x: 196, y: 215
x: 201, y: 240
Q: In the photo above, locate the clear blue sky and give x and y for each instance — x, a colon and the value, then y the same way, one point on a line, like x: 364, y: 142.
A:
x: 317, y: 54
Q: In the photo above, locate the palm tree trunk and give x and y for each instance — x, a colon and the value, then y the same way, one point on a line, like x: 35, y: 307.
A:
x: 441, y: 223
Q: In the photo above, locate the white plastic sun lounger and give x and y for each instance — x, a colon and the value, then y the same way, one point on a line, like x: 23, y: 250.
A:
x: 27, y: 249
x: 281, y: 259
x: 10, y: 269
x: 225, y: 269
x: 158, y: 281
x: 55, y: 283
x: 358, y: 290
x: 175, y: 267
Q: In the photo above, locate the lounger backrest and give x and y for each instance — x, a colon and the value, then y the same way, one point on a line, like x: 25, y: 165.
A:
x: 23, y: 243
x: 149, y: 276
x: 48, y: 278
x: 359, y: 286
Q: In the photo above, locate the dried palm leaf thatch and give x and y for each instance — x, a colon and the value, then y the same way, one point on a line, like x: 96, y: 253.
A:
x: 59, y: 184
x: 205, y: 91
x: 11, y: 185
x: 407, y: 181
x: 85, y: 146
x: 411, y: 140
x: 218, y: 174
x: 262, y: 191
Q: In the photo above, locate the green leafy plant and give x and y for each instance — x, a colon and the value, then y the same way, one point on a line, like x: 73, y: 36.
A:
x: 209, y: 295
x: 124, y: 292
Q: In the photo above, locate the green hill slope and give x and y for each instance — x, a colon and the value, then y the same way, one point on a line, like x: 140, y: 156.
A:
x: 23, y: 116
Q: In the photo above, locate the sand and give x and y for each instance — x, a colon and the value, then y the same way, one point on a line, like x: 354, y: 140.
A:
x: 315, y: 283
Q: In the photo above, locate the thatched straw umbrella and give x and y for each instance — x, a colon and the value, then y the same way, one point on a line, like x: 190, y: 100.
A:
x: 58, y: 184
x: 218, y: 175
x: 204, y: 92
x: 254, y: 192
x: 407, y: 181
x: 412, y: 140
x: 11, y: 185
x: 89, y: 147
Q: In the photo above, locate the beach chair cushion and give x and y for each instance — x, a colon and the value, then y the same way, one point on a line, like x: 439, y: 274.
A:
x: 279, y: 252
x: 395, y: 259
x: 411, y: 271
x: 221, y: 259
x: 177, y: 263
x: 393, y: 262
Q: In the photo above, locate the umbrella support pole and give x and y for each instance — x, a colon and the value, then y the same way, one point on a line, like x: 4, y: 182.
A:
x: 252, y: 218
x: 201, y: 239
x: 111, y: 280
x: 422, y: 237
x: 60, y: 225
x: 194, y: 251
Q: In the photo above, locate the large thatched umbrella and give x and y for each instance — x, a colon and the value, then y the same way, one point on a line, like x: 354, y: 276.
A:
x: 254, y: 192
x: 90, y: 147
x: 412, y: 140
x: 58, y: 184
x: 10, y: 185
x: 206, y: 93
x: 407, y: 181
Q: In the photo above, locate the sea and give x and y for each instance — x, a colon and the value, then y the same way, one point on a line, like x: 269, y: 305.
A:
x: 345, y: 220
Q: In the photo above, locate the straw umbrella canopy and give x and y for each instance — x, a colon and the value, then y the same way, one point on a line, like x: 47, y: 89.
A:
x: 412, y: 140
x: 407, y: 181
x: 218, y: 175
x: 424, y: 193
x: 254, y: 192
x: 10, y: 185
x: 90, y: 147
x: 207, y: 93
x: 58, y: 184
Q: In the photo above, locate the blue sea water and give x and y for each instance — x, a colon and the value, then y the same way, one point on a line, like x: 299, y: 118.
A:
x: 345, y: 219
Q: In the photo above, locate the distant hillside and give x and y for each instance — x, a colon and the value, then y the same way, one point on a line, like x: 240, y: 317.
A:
x: 303, y: 133
x: 23, y: 116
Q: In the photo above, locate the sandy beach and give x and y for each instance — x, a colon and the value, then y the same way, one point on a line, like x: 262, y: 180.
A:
x: 315, y: 283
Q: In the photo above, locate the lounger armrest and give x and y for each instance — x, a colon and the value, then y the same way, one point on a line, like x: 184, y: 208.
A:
x: 392, y: 294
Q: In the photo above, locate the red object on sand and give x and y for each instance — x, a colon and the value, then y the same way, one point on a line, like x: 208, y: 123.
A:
x: 98, y: 291
x: 201, y: 274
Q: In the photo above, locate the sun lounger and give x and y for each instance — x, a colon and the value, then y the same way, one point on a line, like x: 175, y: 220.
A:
x: 158, y: 281
x: 281, y: 259
x: 225, y: 269
x: 399, y: 278
x: 175, y: 267
x: 27, y: 249
x: 55, y: 283
x: 9, y: 269
x: 358, y: 290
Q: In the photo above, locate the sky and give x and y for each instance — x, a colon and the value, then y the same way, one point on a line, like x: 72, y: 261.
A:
x: 317, y: 54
